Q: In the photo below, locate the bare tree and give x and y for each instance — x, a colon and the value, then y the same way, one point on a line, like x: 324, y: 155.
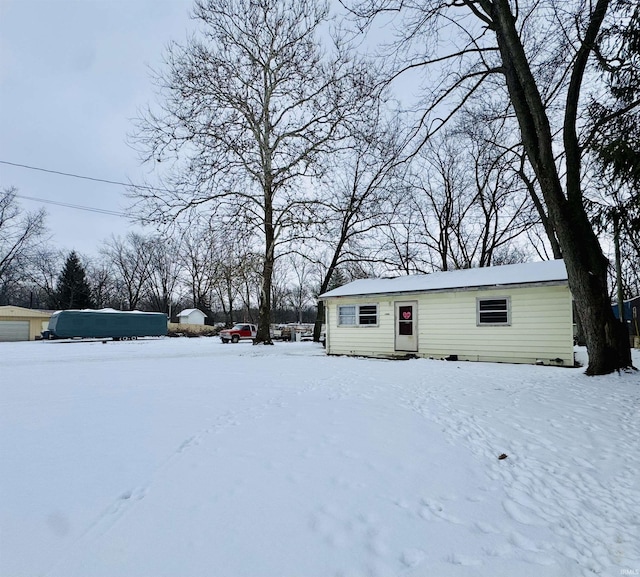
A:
x: 442, y: 202
x: 226, y: 290
x: 198, y: 254
x: 299, y: 294
x: 131, y: 261
x: 505, y: 212
x: 165, y: 268
x: 21, y: 234
x: 490, y: 124
x: 249, y: 275
x: 400, y: 248
x: 279, y: 290
x: 45, y: 265
x: 542, y: 60
x: 103, y: 282
x: 460, y: 208
x: 234, y: 271
x: 358, y: 186
x: 248, y: 109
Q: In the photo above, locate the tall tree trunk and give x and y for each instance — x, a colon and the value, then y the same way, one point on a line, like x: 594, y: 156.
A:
x: 616, y: 244
x: 317, y: 328
x: 583, y: 256
x: 230, y: 301
x: 264, y: 311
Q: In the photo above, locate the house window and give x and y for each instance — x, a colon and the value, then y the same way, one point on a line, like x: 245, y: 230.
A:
x: 368, y: 315
x: 496, y: 311
x: 347, y: 315
x: 358, y: 315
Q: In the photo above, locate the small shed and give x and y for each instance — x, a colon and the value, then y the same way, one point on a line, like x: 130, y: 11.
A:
x: 518, y: 313
x: 191, y: 317
x: 21, y: 324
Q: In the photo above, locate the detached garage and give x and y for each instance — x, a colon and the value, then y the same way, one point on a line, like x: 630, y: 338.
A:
x: 20, y: 324
x: 519, y: 313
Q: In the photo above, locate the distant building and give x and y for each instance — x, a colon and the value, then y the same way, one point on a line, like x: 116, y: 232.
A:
x: 20, y: 324
x: 191, y: 317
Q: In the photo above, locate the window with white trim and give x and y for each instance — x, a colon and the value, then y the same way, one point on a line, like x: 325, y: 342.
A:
x: 493, y: 311
x: 358, y: 315
x: 347, y: 315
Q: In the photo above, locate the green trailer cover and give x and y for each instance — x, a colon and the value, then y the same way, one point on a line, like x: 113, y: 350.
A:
x: 104, y: 324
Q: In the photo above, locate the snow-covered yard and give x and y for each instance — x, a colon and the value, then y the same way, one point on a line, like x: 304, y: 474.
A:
x: 189, y: 458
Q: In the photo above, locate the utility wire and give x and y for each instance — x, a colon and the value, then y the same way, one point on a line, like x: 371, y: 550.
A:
x: 76, y: 206
x: 64, y: 173
x: 114, y: 182
x: 72, y: 175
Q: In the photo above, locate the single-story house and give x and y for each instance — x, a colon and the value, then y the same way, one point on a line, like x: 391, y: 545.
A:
x: 20, y: 324
x: 191, y: 317
x: 519, y: 313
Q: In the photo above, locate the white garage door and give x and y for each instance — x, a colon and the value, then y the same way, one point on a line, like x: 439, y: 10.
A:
x: 14, y: 331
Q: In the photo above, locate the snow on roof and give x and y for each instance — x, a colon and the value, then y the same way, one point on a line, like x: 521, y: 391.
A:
x: 187, y: 312
x: 534, y: 272
x: 15, y: 311
x: 105, y: 310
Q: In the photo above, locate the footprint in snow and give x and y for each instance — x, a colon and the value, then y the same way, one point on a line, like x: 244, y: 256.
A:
x: 412, y: 557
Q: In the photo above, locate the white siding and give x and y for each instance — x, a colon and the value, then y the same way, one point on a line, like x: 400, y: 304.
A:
x: 365, y: 340
x: 540, y: 330
x: 193, y: 318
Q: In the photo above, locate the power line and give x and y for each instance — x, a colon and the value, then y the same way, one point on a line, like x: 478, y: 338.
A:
x: 64, y: 173
x: 83, y: 177
x: 72, y: 175
x: 76, y: 206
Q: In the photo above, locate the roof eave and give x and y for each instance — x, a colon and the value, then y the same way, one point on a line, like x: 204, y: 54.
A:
x: 557, y: 282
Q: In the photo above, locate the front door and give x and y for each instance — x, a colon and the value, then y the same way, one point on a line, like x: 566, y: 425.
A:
x: 406, y: 326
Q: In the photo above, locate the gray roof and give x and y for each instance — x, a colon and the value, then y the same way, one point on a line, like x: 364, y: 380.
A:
x: 511, y: 274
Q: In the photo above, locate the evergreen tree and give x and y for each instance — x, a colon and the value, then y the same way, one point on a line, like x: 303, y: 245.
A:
x: 615, y: 139
x: 338, y: 279
x: 72, y: 290
x: 615, y: 122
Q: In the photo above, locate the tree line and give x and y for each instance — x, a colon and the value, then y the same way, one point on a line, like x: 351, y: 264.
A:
x: 149, y: 273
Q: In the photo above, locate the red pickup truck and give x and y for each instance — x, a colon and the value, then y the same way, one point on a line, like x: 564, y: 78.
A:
x: 240, y: 331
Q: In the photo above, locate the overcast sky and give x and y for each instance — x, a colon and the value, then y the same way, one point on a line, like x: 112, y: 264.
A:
x: 73, y: 76
x: 73, y: 73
